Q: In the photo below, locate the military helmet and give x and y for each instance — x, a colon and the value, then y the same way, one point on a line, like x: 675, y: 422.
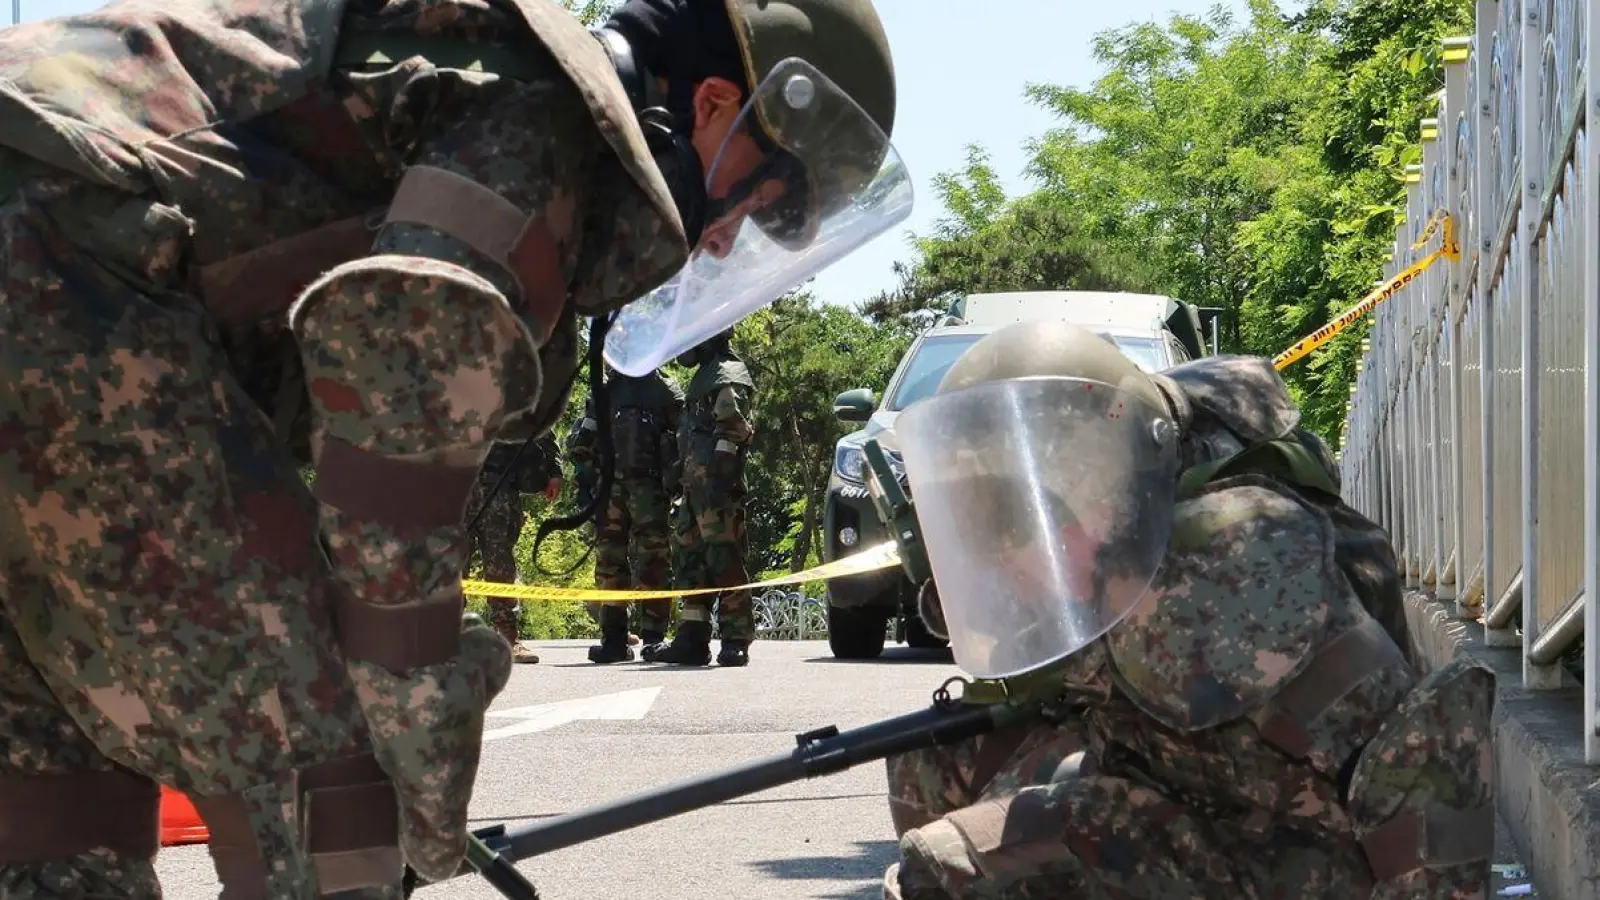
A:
x: 844, y: 40
x: 1045, y: 469
x: 1050, y: 349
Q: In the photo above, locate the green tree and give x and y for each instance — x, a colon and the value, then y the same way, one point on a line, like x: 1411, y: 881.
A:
x: 990, y: 243
x: 802, y: 354
x: 591, y: 12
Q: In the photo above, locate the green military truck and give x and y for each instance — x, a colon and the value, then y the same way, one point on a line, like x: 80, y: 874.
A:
x: 1156, y: 332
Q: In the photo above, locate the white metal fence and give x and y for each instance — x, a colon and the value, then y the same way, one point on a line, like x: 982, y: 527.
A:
x: 1474, y: 427
x: 790, y: 616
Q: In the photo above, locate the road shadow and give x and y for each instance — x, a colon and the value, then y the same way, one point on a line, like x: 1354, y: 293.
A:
x: 866, y: 864
x: 481, y: 821
x: 893, y: 656
x: 637, y: 665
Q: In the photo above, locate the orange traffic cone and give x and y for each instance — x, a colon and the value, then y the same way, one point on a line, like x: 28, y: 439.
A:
x: 180, y: 822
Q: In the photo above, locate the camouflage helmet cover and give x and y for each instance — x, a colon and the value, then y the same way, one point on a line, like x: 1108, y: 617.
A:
x: 1058, y: 349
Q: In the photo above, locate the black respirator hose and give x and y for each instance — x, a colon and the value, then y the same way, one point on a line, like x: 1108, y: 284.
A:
x: 598, y: 327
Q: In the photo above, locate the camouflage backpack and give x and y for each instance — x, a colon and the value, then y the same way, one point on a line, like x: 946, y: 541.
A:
x: 1241, y: 421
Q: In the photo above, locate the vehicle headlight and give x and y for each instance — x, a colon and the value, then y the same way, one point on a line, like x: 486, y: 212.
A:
x: 850, y: 463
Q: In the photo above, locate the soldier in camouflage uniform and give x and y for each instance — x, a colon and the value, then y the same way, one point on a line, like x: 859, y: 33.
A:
x: 242, y: 236
x: 644, y: 435
x: 497, y: 506
x: 714, y: 440
x: 1241, y: 721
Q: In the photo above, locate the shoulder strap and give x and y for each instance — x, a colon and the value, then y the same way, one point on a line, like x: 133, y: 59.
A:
x: 1284, y: 458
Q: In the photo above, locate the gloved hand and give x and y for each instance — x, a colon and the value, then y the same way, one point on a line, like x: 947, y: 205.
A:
x: 427, y: 732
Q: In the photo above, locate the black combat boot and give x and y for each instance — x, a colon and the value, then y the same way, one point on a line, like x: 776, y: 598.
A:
x: 613, y: 646
x: 735, y: 652
x: 691, y: 646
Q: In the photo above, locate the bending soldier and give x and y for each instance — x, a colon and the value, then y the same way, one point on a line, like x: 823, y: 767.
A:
x: 714, y: 439
x: 1165, y: 561
x: 497, y: 506
x: 381, y: 219
x: 644, y: 426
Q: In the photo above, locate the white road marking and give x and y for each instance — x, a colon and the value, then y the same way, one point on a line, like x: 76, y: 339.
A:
x: 620, y: 706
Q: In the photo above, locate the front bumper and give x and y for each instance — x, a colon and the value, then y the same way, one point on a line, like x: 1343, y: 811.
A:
x: 848, y: 506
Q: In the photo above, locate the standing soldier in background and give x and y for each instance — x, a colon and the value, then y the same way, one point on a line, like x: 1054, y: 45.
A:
x: 644, y: 425
x: 409, y: 204
x: 499, y: 517
x: 714, y: 439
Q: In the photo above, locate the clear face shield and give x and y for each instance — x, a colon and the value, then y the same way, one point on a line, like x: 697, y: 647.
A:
x: 829, y: 182
x: 1046, y: 505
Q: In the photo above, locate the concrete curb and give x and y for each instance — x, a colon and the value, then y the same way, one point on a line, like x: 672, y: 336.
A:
x: 1547, y: 796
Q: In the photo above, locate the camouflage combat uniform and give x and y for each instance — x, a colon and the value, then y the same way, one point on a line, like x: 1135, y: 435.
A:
x: 709, y: 532
x: 173, y: 176
x: 1252, y: 730
x: 500, y: 523
x: 645, y: 413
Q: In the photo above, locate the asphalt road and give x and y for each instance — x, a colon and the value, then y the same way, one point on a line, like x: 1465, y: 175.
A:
x: 566, y: 735
x: 826, y: 839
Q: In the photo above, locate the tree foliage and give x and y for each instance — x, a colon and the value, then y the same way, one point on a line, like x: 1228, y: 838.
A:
x: 802, y: 354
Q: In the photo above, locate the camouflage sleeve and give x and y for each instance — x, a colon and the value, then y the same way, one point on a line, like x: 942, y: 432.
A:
x: 413, y: 355
x: 731, y: 413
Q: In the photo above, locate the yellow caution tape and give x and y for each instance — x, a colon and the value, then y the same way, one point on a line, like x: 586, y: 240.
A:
x: 872, y: 559
x: 1450, y: 249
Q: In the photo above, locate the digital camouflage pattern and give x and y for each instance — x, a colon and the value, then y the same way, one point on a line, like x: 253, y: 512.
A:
x: 709, y: 533
x: 633, y: 545
x: 1222, y: 721
x: 171, y: 177
x: 38, y: 737
x: 925, y: 785
x: 501, y: 521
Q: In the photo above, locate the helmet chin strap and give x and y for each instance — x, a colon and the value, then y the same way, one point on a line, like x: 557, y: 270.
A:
x: 667, y: 122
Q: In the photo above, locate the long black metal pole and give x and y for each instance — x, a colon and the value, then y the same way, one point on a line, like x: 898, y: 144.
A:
x: 820, y: 753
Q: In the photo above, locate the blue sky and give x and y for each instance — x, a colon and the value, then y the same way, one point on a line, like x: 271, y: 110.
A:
x: 962, y: 65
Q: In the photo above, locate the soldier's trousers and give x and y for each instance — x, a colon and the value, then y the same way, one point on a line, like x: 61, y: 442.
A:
x: 1093, y: 835
x: 711, y: 546
x: 165, y: 606
x: 927, y: 784
x: 1021, y: 814
x: 633, y: 550
x: 496, y: 542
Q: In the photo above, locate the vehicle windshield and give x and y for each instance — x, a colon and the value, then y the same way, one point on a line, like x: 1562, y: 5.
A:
x: 936, y: 355
x: 1145, y: 352
x: 924, y: 371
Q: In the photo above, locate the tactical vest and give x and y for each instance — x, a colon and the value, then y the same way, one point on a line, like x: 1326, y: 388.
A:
x: 697, y: 439
x: 638, y: 424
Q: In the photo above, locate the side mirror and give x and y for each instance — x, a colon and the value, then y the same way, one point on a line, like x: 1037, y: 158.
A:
x: 854, y: 406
